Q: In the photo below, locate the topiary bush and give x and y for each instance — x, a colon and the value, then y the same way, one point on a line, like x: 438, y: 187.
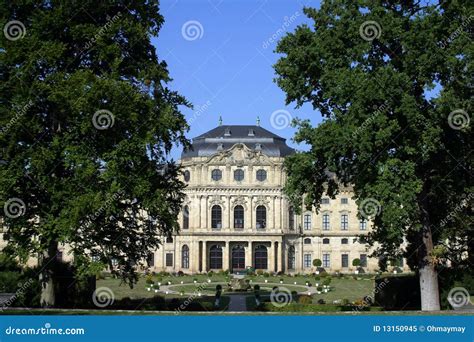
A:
x: 305, y: 299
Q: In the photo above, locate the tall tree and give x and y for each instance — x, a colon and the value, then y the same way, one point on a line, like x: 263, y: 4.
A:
x: 393, y: 83
x: 88, y: 122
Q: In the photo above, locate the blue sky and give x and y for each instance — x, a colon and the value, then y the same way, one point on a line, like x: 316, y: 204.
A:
x: 220, y: 55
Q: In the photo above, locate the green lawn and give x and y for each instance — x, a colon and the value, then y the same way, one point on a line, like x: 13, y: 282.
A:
x: 210, y: 289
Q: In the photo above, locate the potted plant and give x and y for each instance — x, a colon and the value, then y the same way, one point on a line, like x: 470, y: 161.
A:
x: 317, y: 263
x: 356, y: 264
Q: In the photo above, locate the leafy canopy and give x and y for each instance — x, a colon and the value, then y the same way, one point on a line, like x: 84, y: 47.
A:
x: 393, y: 83
x: 88, y: 122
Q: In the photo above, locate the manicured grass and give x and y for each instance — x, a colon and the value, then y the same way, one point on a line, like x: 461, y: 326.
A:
x: 349, y: 289
x: 211, y: 288
x: 139, y: 290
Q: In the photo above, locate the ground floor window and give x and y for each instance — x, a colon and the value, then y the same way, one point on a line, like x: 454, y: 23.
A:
x: 215, y: 257
x: 169, y: 259
x: 261, y: 258
x: 291, y: 258
x: 344, y: 260
x: 326, y: 260
x: 185, y: 257
x: 307, y: 260
x: 151, y: 260
x: 363, y: 260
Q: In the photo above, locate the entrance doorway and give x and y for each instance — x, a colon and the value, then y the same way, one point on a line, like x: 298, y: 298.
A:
x: 238, y: 258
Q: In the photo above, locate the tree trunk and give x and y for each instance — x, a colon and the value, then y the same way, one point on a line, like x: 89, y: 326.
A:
x: 428, y: 275
x: 47, y: 276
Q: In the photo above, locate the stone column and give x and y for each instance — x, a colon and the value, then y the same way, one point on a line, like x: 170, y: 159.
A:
x: 271, y: 257
x: 278, y: 250
x: 204, y: 256
x: 225, y: 256
x: 194, y: 256
x: 177, y: 256
x: 229, y: 214
x: 251, y: 213
x: 249, y: 254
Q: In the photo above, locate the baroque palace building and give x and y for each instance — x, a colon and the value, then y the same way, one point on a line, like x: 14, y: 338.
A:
x: 236, y: 214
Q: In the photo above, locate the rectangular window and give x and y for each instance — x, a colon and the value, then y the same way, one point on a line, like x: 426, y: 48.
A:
x: 363, y: 224
x: 344, y: 222
x: 325, y: 200
x: 169, y: 259
x: 363, y: 260
x: 326, y: 222
x: 291, y: 218
x: 151, y: 260
x: 344, y: 260
x: 344, y: 201
x: 307, y: 260
x: 326, y: 260
x: 307, y: 222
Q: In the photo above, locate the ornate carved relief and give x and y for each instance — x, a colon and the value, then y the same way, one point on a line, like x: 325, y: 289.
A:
x: 261, y: 200
x: 216, y: 200
x: 239, y: 200
x: 240, y: 155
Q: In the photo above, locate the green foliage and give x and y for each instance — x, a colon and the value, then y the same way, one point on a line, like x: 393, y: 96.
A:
x: 381, y: 133
x: 327, y: 281
x: 317, y: 262
x: 356, y: 262
x: 305, y: 299
x: 84, y: 186
x: 149, y: 279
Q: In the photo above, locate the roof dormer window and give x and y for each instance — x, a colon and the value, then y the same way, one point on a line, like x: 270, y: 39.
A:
x: 251, y: 133
x: 227, y: 132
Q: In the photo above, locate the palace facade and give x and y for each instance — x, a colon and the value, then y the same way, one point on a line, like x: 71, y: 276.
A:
x: 236, y: 214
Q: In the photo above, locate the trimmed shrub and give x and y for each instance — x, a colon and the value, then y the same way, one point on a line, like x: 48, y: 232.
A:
x: 327, y: 281
x: 305, y: 299
x: 317, y: 262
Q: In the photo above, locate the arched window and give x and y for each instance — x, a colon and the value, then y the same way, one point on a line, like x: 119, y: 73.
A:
x: 215, y: 257
x: 185, y: 256
x: 186, y: 217
x: 291, y: 258
x: 291, y: 218
x: 261, y: 217
x: 238, y: 217
x: 307, y: 241
x: 344, y: 241
x: 261, y: 258
x: 326, y: 241
x: 216, y: 217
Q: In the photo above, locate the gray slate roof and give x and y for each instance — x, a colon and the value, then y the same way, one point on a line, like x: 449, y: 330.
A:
x: 225, y: 136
